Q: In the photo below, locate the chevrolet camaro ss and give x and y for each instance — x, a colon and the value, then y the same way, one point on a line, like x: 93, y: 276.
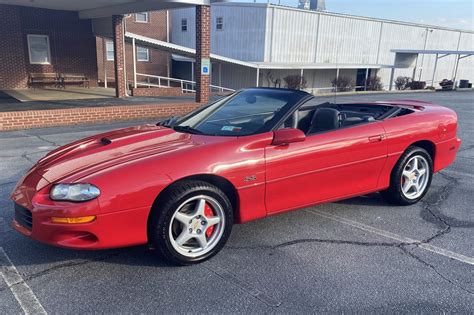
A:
x: 180, y: 185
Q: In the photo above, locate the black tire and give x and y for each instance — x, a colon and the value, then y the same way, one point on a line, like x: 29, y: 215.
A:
x: 394, y: 193
x: 164, y: 211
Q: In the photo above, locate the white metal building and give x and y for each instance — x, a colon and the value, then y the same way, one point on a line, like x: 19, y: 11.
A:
x: 279, y: 40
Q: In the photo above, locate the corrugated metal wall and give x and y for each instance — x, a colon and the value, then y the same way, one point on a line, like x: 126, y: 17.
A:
x: 242, y: 36
x: 292, y: 37
x: 343, y: 40
x: 279, y: 34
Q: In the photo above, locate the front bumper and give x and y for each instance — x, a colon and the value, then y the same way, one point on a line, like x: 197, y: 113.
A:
x: 34, y: 210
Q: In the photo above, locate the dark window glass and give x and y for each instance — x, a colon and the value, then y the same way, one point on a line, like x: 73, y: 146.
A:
x: 184, y: 25
x: 243, y: 113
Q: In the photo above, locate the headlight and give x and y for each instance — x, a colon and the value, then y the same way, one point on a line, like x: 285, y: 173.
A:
x: 74, y: 192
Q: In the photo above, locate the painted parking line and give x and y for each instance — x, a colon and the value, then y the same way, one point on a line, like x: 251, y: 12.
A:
x: 393, y: 236
x: 457, y: 173
x: 21, y: 291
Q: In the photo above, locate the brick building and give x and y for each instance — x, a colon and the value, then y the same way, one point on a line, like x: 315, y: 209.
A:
x: 153, y: 24
x: 59, y: 36
x: 42, y: 40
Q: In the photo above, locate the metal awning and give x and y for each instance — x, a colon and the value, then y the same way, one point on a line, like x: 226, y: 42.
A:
x: 182, y: 53
x: 88, y: 9
x: 433, y: 52
x: 311, y: 65
x: 180, y: 50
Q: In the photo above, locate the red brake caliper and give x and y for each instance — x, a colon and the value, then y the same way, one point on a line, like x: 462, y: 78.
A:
x: 209, y: 213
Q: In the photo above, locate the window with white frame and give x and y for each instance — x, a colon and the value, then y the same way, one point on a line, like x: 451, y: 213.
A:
x: 219, y: 23
x: 109, y: 50
x: 141, y: 17
x: 38, y: 49
x: 184, y: 25
x: 143, y: 54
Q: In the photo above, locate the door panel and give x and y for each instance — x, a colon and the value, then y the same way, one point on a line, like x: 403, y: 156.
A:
x: 325, y: 166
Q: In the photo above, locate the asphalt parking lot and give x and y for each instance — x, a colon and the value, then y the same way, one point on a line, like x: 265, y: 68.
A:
x: 355, y: 255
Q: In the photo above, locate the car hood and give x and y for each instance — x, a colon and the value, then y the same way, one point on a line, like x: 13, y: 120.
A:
x: 87, y: 156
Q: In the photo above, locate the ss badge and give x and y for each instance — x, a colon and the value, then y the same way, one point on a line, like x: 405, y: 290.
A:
x: 250, y: 178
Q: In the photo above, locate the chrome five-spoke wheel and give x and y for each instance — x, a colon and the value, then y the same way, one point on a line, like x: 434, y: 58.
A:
x: 197, y: 226
x: 191, y: 222
x: 410, y: 177
x: 415, y: 177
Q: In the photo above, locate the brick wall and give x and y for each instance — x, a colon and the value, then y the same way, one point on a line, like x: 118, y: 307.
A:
x: 73, y: 116
x: 13, y: 72
x: 117, y: 21
x: 203, y: 50
x: 172, y: 91
x: 158, y: 63
x: 72, y: 44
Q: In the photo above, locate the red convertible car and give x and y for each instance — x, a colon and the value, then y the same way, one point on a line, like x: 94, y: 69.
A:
x: 180, y: 185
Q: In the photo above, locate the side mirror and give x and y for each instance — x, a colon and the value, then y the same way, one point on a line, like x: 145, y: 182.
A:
x: 287, y: 136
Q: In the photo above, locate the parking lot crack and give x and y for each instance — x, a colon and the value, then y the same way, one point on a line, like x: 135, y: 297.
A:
x: 41, y: 138
x: 254, y: 292
x: 7, y: 183
x: 467, y: 148
x: 433, y: 209
x: 64, y: 265
x: 329, y: 241
x: 433, y: 268
x: 326, y: 241
x: 26, y: 157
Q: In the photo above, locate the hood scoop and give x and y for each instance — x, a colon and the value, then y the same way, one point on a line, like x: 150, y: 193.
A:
x: 105, y: 141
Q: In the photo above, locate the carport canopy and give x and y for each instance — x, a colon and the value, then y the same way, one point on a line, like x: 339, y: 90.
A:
x: 404, y: 58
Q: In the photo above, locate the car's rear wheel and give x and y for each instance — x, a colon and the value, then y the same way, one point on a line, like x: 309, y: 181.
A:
x: 191, y: 223
x: 411, y: 177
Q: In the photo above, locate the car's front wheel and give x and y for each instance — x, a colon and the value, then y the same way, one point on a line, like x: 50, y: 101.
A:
x: 411, y: 177
x: 191, y: 223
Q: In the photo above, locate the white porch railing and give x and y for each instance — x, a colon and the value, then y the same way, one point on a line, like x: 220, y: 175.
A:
x: 187, y: 86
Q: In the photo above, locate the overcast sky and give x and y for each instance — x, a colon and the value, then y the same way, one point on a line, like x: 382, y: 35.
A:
x: 449, y: 13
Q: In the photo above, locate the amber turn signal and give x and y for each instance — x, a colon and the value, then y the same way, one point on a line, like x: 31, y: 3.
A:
x: 77, y: 220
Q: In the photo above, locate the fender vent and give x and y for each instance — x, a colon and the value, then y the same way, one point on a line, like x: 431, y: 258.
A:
x: 23, y: 216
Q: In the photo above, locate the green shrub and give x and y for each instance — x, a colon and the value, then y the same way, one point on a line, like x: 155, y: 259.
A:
x: 342, y: 84
x: 374, y: 84
x: 401, y: 83
x: 295, y: 82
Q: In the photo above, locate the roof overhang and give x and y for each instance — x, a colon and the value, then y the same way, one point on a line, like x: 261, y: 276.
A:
x: 88, y: 9
x: 321, y: 66
x: 432, y: 52
x: 180, y: 50
x: 182, y: 53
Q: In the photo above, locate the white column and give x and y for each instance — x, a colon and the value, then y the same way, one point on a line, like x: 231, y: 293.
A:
x: 258, y: 75
x: 301, y: 75
x: 366, y: 77
x: 134, y: 56
x: 456, y: 71
x: 392, y: 75
x: 434, y: 71
x: 105, y: 62
x: 220, y: 74
x: 192, y: 71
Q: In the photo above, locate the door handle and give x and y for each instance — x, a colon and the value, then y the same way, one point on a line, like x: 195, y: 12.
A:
x: 376, y: 138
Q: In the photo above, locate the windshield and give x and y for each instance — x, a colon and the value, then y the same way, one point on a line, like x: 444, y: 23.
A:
x: 243, y: 113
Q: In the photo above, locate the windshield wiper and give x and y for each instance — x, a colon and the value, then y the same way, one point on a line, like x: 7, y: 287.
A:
x: 187, y: 129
